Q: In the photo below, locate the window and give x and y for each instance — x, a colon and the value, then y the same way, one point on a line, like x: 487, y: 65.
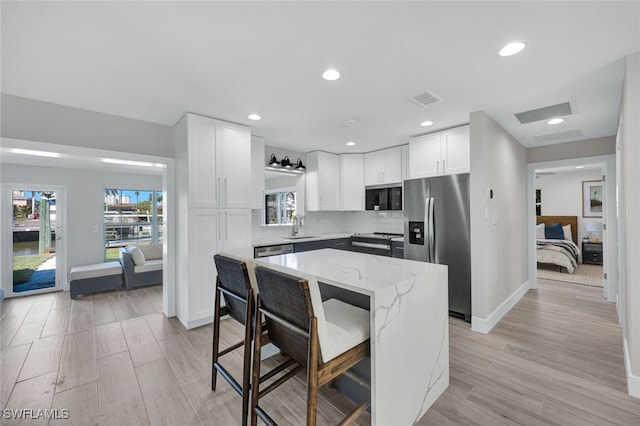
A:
x: 131, y: 216
x: 538, y: 202
x: 280, y: 207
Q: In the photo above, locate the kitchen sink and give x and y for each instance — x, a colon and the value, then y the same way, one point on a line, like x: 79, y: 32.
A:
x: 300, y: 237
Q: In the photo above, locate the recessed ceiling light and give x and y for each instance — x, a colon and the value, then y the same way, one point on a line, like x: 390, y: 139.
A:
x: 426, y: 123
x: 254, y: 117
x: 555, y: 121
x: 331, y: 75
x: 512, y: 48
x: 351, y: 143
x: 579, y: 167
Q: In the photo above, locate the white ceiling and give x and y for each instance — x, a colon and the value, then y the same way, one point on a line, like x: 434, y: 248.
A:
x: 154, y: 61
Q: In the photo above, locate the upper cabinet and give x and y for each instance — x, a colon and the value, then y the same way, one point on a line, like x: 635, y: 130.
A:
x: 351, y: 182
x: 383, y: 167
x: 322, y: 181
x: 214, y: 155
x: 442, y: 153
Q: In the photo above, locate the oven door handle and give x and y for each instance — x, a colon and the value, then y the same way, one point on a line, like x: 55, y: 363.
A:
x: 371, y: 245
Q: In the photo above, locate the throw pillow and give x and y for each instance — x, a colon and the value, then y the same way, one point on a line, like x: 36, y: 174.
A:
x: 540, y: 231
x: 566, y: 230
x: 554, y: 232
x: 136, y: 255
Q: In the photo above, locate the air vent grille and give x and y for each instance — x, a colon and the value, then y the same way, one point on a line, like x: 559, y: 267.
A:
x: 556, y: 137
x: 545, y: 113
x: 426, y: 98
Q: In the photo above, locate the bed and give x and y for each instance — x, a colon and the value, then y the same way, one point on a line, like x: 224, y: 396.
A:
x: 559, y: 252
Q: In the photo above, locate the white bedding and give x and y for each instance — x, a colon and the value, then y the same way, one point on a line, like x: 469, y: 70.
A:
x: 558, y: 252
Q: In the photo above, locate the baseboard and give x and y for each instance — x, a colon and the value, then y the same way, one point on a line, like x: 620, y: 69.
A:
x: 199, y: 322
x: 633, y: 382
x: 484, y: 325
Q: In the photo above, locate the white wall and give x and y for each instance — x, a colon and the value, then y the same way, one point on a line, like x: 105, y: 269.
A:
x: 566, y: 151
x: 85, y: 203
x: 498, y: 226
x: 562, y: 195
x: 629, y: 218
x: 33, y: 120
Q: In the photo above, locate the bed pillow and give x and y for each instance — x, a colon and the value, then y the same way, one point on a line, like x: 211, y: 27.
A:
x: 554, y: 232
x: 566, y: 230
x: 540, y: 231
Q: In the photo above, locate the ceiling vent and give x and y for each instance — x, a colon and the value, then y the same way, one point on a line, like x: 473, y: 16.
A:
x: 545, y: 113
x: 556, y: 137
x: 426, y: 98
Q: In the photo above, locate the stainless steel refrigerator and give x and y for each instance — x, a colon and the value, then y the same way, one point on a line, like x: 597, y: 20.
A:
x: 437, y: 230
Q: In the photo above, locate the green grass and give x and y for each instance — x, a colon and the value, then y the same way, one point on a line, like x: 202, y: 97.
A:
x: 24, y: 266
x: 113, y: 253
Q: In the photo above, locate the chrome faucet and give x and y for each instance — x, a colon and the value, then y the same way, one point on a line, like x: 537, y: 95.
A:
x: 297, y: 223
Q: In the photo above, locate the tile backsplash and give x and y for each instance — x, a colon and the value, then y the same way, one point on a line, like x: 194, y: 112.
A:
x: 334, y: 222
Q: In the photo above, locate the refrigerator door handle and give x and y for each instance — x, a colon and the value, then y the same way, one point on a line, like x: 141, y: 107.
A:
x: 426, y: 230
x: 432, y: 232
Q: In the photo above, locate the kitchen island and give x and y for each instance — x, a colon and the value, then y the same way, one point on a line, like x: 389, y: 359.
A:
x: 408, y: 301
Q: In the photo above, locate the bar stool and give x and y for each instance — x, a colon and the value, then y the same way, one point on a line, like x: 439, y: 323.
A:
x: 328, y: 338
x: 236, y: 283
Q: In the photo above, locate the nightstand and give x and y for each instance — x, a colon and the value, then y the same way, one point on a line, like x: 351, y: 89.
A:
x: 592, y: 252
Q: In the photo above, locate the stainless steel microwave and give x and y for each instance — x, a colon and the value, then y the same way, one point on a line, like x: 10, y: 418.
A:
x: 383, y: 198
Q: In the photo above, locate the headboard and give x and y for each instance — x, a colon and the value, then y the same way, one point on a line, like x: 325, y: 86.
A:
x: 564, y: 220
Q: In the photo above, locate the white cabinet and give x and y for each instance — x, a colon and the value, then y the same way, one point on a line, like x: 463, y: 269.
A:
x: 383, y: 167
x: 351, y: 182
x: 218, y: 155
x: 234, y: 159
x: 322, y: 181
x: 257, y: 172
x: 442, y: 153
x: 424, y: 156
x: 456, y: 151
x: 213, y: 180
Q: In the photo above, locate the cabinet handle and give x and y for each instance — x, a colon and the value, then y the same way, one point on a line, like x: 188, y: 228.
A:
x: 444, y: 168
x: 226, y: 225
x: 219, y: 227
x: 226, y: 193
x: 219, y: 193
x: 437, y: 167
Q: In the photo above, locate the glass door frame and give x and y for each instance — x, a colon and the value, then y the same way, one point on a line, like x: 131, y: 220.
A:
x: 6, y: 249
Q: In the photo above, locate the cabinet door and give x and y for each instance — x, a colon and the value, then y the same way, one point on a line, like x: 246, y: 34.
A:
x: 455, y: 151
x: 204, y: 186
x: 204, y: 241
x: 392, y: 165
x: 373, y: 168
x: 424, y: 156
x: 328, y: 181
x: 236, y: 232
x: 352, y: 182
x: 235, y: 156
x: 322, y: 181
x: 257, y: 172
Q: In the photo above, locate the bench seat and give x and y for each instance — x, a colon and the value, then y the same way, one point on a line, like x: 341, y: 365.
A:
x: 90, y: 279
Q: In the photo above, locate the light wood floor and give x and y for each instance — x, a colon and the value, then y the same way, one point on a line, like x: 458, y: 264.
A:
x: 114, y: 359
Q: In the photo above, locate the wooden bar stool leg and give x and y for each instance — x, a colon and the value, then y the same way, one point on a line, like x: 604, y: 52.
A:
x: 246, y: 366
x: 216, y: 337
x: 312, y: 373
x: 255, y: 371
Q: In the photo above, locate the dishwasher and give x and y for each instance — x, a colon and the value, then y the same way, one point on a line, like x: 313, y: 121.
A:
x: 272, y: 250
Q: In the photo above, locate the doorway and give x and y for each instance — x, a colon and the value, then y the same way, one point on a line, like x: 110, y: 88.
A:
x: 596, y: 222
x: 37, y: 243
